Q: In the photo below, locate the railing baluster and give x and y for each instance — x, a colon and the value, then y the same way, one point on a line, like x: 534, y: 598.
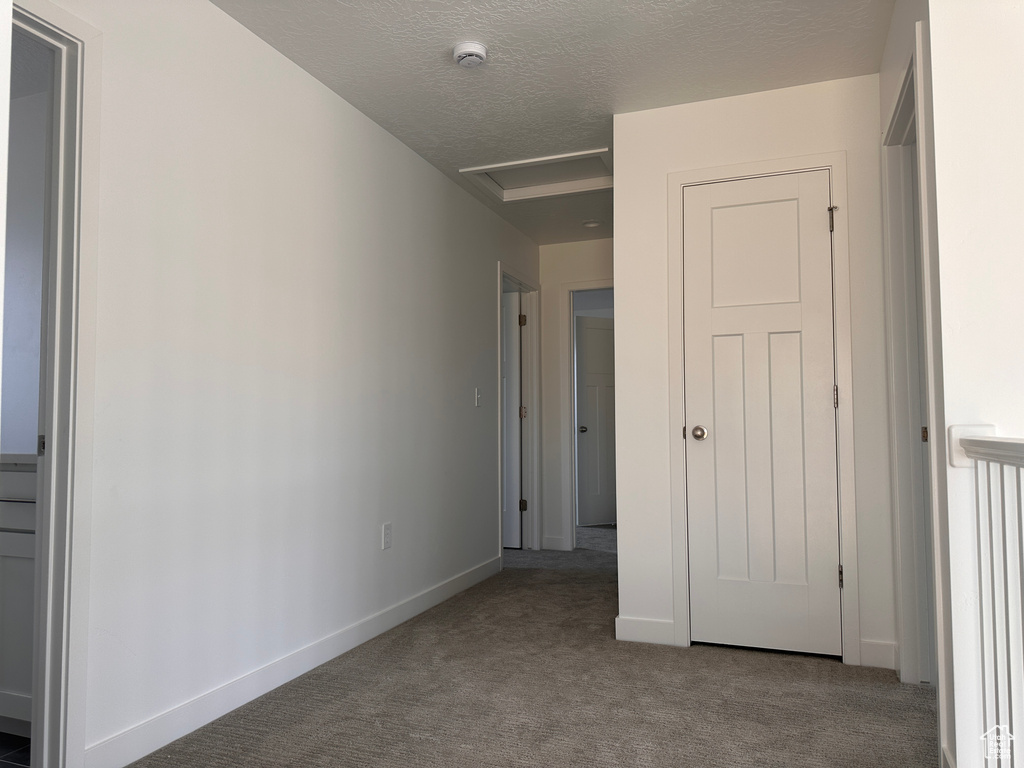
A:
x: 999, y: 500
x: 988, y: 672
x: 1013, y: 530
x: 997, y: 507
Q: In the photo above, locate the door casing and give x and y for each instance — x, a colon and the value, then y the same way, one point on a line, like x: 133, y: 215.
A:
x: 64, y: 512
x: 835, y: 163
x: 913, y: 103
x: 904, y: 284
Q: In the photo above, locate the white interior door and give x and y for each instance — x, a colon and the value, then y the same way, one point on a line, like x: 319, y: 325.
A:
x: 759, y: 372
x: 595, y: 421
x: 511, y: 401
x: 917, y: 364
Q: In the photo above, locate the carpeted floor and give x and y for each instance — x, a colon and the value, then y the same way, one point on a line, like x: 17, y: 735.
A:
x: 523, y: 670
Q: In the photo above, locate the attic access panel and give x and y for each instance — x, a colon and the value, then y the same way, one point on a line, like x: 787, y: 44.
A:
x: 553, y: 176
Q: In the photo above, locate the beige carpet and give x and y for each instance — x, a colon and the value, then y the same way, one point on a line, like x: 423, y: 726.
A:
x: 523, y: 670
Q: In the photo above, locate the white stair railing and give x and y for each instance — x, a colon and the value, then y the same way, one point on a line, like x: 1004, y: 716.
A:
x: 999, y: 491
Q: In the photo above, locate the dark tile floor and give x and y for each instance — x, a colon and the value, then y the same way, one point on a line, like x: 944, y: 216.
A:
x: 14, y: 750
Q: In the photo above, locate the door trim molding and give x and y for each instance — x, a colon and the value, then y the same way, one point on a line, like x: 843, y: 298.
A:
x: 835, y: 163
x: 917, y: 87
x: 63, y: 535
x: 900, y: 140
x: 530, y: 363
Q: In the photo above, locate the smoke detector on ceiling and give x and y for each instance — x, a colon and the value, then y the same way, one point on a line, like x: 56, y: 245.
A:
x: 469, y: 54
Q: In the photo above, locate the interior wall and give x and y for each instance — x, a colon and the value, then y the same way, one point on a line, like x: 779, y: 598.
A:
x: 23, y: 271
x: 977, y: 60
x: 563, y: 268
x: 824, y: 117
x: 293, y: 311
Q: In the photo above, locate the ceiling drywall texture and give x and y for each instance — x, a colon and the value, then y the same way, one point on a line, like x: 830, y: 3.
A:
x: 557, y: 70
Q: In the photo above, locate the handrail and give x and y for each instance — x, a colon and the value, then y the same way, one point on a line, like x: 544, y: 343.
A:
x: 1003, y: 450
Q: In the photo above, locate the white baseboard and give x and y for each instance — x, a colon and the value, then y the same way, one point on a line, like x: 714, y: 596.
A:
x: 140, y: 740
x: 878, y: 654
x: 555, y: 542
x: 15, y: 727
x: 660, y: 631
x: 17, y: 706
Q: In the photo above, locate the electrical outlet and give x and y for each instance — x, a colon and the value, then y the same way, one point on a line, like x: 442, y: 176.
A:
x: 385, y: 536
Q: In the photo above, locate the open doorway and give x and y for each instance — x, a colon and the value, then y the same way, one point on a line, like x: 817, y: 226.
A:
x: 593, y: 324
x: 910, y: 361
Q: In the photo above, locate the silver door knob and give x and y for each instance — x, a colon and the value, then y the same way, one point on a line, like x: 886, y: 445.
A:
x: 699, y: 433
x: 583, y: 429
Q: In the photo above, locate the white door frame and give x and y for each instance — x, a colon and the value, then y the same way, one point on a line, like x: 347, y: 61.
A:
x: 64, y: 520
x: 835, y: 163
x: 530, y: 393
x: 913, y: 103
x: 901, y: 291
x: 567, y: 396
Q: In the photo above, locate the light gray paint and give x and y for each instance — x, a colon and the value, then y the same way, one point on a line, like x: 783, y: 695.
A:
x: 557, y: 71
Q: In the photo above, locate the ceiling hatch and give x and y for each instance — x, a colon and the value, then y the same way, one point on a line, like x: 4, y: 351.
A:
x: 569, y: 174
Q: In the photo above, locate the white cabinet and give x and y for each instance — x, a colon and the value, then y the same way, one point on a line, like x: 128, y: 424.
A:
x: 17, y: 585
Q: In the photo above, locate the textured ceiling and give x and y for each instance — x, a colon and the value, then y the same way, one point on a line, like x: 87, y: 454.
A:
x: 557, y: 70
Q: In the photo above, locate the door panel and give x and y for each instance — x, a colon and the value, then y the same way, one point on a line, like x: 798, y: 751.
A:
x: 762, y: 498
x: 511, y: 399
x: 595, y: 406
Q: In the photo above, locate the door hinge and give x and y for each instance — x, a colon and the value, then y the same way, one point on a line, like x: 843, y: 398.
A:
x: 832, y: 217
x: 522, y: 320
x: 522, y: 411
x: 835, y: 395
x: 41, y: 445
x: 840, y: 577
x: 522, y: 505
x: 924, y: 434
